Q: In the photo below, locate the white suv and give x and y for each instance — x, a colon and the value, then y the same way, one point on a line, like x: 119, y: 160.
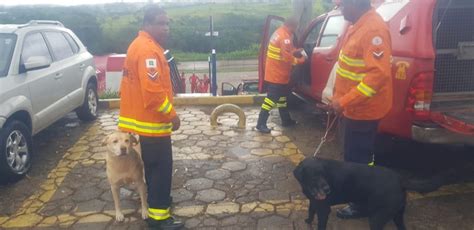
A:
x: 45, y: 73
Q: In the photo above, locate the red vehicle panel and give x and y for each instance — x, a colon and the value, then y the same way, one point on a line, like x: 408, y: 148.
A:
x: 432, y: 69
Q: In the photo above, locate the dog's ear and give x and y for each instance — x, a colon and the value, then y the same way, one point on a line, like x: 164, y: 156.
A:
x: 133, y: 139
x: 299, y: 173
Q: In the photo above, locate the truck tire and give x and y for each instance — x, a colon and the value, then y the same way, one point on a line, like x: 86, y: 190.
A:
x: 88, y: 110
x: 15, y: 151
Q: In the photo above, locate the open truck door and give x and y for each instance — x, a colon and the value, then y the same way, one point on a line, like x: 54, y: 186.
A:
x: 271, y: 24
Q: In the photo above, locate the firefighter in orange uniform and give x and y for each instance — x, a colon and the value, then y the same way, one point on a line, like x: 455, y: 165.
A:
x: 363, y: 89
x: 281, y: 57
x: 146, y: 109
x: 193, y: 81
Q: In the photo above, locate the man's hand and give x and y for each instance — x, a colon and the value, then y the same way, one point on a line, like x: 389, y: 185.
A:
x: 336, y: 106
x: 176, y: 123
x: 298, y: 53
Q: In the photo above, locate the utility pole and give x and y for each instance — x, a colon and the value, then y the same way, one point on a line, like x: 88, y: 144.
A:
x: 304, y: 10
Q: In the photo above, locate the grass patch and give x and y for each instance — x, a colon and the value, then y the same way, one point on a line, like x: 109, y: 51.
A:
x: 109, y: 94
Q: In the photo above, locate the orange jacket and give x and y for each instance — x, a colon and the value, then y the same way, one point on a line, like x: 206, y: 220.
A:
x: 364, y: 82
x: 146, y: 93
x: 280, y: 57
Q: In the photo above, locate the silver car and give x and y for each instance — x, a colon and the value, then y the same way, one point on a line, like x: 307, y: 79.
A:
x: 45, y: 73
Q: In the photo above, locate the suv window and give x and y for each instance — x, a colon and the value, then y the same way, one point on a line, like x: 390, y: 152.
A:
x: 313, y: 36
x: 59, y: 45
x: 72, y: 43
x: 34, y: 45
x: 331, y: 32
x: 7, y: 44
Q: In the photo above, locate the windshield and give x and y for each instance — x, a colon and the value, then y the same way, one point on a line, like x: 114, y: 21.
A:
x: 7, y: 44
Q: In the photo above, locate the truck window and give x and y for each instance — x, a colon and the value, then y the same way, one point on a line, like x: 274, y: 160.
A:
x: 312, y: 37
x: 391, y: 8
x: 331, y: 32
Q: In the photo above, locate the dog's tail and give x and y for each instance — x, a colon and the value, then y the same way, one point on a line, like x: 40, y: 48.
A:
x: 429, y: 185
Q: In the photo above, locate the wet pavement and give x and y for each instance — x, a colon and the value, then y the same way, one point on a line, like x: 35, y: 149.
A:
x: 224, y: 178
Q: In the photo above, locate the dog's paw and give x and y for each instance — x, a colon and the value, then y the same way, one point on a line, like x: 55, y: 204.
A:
x: 144, y: 214
x: 308, y: 221
x: 119, y: 216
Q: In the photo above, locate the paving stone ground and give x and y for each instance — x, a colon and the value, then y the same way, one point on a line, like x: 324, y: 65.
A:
x: 224, y: 178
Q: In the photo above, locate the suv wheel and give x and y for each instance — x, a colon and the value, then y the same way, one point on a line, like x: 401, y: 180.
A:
x: 88, y: 110
x: 15, y: 151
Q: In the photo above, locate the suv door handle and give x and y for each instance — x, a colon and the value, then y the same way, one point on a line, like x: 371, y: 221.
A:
x: 58, y: 76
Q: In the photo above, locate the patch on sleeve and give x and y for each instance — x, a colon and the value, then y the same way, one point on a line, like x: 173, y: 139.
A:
x: 376, y: 41
x: 287, y: 41
x: 150, y: 63
x: 378, y: 54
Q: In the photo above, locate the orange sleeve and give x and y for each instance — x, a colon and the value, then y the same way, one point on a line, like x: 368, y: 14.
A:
x: 287, y: 50
x: 377, y: 54
x: 152, y: 76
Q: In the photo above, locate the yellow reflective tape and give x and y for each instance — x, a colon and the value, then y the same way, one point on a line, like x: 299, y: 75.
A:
x: 269, y: 101
x: 274, y: 48
x: 273, y: 56
x: 371, y: 164
x: 159, y: 217
x: 282, y: 99
x: 164, y: 106
x: 366, y: 90
x: 165, y: 130
x: 159, y: 211
x: 281, y: 105
x: 351, y: 61
x: 266, y: 107
x: 350, y: 75
x: 141, y: 123
x: 169, y: 109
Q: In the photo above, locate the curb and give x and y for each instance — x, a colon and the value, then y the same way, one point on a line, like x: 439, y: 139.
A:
x: 197, y: 100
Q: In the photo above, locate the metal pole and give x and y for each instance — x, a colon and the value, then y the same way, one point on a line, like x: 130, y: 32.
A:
x: 214, y: 73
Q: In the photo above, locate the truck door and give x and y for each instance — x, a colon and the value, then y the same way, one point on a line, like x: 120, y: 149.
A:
x: 326, y: 53
x: 271, y: 24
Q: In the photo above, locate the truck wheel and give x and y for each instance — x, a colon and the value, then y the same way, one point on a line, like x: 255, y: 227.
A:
x: 15, y: 152
x: 88, y: 110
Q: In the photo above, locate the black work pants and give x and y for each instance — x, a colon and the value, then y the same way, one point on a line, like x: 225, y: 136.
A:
x: 158, y: 160
x: 359, y: 140
x: 277, y: 98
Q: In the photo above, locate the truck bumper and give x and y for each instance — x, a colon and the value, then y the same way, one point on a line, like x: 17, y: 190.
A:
x: 439, y: 135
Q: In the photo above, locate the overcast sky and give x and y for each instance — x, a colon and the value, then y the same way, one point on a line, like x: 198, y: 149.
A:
x: 63, y: 2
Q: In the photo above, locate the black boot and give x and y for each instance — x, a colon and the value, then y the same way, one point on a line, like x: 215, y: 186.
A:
x: 169, y: 224
x: 262, y: 122
x: 286, y: 120
x: 352, y: 211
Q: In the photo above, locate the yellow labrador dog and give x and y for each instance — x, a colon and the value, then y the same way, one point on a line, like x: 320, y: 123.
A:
x: 125, y: 166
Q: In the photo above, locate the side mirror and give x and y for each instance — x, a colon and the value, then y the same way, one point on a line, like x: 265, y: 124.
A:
x: 228, y: 89
x: 37, y: 62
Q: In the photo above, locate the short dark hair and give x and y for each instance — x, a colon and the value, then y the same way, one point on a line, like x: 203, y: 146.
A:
x: 361, y: 4
x: 151, y: 12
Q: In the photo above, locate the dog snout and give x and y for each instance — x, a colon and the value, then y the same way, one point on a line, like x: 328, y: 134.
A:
x: 123, y: 149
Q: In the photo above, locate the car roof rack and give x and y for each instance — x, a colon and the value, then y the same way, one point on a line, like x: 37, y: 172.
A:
x: 41, y: 22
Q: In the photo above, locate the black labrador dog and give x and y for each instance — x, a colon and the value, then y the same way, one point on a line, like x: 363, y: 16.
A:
x: 329, y: 182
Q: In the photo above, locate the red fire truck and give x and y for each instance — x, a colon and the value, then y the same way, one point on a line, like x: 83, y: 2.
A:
x: 433, y: 66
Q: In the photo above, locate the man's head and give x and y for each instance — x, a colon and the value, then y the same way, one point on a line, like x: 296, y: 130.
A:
x: 292, y: 23
x: 354, y: 9
x: 156, y: 23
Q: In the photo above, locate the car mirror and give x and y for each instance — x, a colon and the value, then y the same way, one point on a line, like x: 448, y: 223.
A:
x: 37, y: 62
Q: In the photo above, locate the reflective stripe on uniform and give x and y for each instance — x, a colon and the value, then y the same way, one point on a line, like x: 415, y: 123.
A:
x: 165, y: 107
x: 269, y: 102
x: 351, y: 61
x: 273, y: 56
x: 159, y: 214
x: 266, y: 107
x: 350, y: 75
x: 274, y: 48
x: 282, y: 105
x: 366, y: 90
x: 144, y: 127
x: 282, y: 99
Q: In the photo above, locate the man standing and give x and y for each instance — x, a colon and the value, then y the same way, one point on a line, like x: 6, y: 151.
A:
x: 146, y: 109
x: 363, y: 89
x: 281, y: 57
x: 193, y: 80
